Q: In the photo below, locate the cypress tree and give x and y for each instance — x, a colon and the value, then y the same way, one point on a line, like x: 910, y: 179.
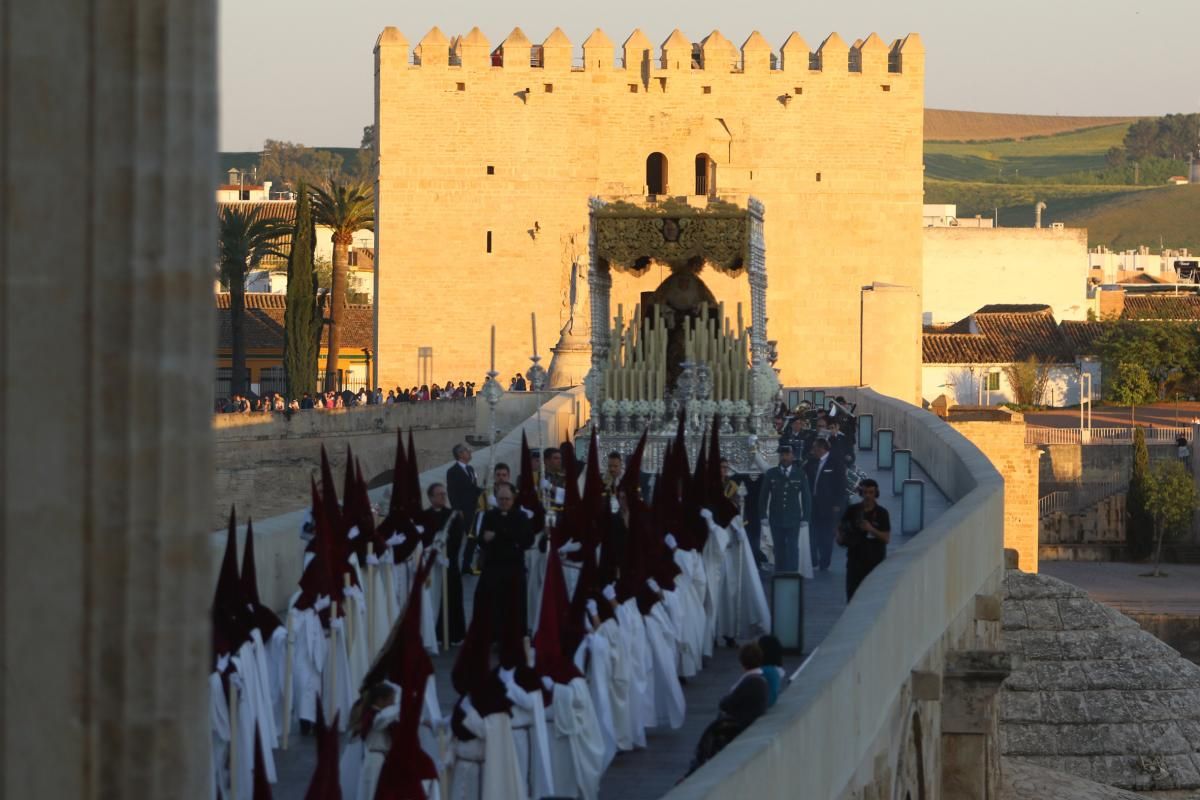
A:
x: 1139, y: 521
x: 302, y: 321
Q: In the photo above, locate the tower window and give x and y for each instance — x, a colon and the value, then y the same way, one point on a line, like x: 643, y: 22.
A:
x: 799, y: 90
x: 656, y: 174
x: 887, y: 87
x: 462, y: 87
x: 548, y: 87
x: 633, y: 88
x: 489, y: 241
x: 706, y: 89
x: 706, y: 175
x: 818, y: 177
x: 491, y: 170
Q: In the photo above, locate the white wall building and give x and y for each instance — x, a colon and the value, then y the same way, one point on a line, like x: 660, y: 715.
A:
x: 967, y: 361
x: 967, y: 268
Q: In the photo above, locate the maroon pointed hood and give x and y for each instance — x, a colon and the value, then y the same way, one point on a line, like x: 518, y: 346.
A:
x: 317, y: 578
x: 473, y: 665
x: 723, y: 508
x: 413, y: 493
x: 231, y: 619
x: 552, y: 660
x: 527, y: 491
x: 265, y: 619
x: 325, y: 783
x: 631, y: 480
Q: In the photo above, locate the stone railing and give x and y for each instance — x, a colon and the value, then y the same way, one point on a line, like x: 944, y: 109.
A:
x: 870, y: 712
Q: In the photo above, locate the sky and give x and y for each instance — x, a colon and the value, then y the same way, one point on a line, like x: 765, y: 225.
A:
x: 303, y: 70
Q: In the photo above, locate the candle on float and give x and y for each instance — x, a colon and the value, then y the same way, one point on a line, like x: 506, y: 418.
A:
x: 493, y: 348
x: 741, y: 324
x: 533, y: 320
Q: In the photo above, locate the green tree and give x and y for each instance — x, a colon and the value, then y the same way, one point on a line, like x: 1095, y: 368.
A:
x: 1162, y: 349
x: 1172, y: 497
x: 302, y: 319
x: 1128, y: 384
x: 1139, y: 524
x: 344, y: 208
x: 245, y: 236
x: 288, y: 164
x: 1028, y: 381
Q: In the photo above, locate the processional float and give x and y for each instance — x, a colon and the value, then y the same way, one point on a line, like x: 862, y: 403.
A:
x: 679, y: 352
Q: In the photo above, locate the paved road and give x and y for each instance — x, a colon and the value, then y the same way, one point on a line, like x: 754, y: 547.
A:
x: 1124, y: 585
x: 649, y: 773
x: 1159, y: 415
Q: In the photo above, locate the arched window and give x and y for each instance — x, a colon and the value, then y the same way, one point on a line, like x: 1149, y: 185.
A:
x: 706, y: 175
x: 656, y: 174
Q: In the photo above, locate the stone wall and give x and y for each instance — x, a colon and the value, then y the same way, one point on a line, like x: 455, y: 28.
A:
x: 1095, y: 534
x: 108, y: 120
x: 1093, y: 463
x: 263, y: 461
x: 967, y: 268
x: 858, y: 725
x: 1004, y: 444
x: 485, y: 173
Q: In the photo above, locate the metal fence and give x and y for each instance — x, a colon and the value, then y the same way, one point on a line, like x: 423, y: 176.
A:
x: 1035, y: 434
x: 1076, y: 498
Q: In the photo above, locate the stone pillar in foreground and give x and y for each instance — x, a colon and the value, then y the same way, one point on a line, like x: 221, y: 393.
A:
x: 107, y: 244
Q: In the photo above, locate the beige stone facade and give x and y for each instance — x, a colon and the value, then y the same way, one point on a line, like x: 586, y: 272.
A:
x: 1004, y: 445
x: 486, y: 163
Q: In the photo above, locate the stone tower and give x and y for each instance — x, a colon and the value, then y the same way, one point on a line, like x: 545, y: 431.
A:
x: 487, y: 157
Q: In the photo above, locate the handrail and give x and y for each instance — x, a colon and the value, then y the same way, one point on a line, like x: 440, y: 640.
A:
x: 1039, y: 434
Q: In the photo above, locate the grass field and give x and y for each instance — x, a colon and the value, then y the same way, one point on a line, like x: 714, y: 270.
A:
x: 1043, y: 157
x: 942, y: 125
x: 1168, y: 214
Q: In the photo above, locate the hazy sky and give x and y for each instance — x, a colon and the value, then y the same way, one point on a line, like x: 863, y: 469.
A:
x: 303, y: 70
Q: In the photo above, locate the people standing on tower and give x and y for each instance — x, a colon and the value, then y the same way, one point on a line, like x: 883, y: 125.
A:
x: 784, y: 504
x: 865, y: 532
x: 827, y: 483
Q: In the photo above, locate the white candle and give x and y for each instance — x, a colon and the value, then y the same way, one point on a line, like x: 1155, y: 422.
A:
x: 533, y: 319
x: 493, y: 348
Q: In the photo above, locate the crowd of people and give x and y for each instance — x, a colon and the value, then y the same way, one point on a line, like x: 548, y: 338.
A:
x: 274, y: 401
x: 600, y: 592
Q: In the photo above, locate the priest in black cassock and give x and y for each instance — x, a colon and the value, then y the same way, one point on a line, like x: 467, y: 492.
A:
x: 504, y: 536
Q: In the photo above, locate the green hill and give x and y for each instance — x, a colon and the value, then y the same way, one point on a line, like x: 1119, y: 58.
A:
x: 1041, y: 157
x: 1169, y: 214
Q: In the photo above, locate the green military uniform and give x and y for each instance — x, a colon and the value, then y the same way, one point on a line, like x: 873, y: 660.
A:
x: 785, y: 500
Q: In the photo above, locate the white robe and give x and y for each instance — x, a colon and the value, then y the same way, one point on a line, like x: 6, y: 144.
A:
x: 218, y: 715
x: 716, y: 574
x: 309, y: 657
x: 594, y: 655
x: 578, y: 746
x: 618, y: 683
x: 744, y: 610
x: 661, y: 637
x: 691, y: 585
x: 500, y: 775
x: 641, y: 670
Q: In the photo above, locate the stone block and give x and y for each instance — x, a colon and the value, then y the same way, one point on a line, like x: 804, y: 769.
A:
x: 1077, y: 613
x: 1041, y: 646
x: 1042, y: 614
x: 1065, y: 707
x: 1021, y: 707
x: 1013, y: 618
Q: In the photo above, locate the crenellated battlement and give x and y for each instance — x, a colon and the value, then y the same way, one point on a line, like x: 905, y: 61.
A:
x: 714, y: 54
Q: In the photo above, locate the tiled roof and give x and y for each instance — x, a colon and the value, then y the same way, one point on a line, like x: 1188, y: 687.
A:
x: 999, y: 334
x: 264, y: 323
x: 1081, y: 337
x: 283, y: 209
x: 1160, y: 306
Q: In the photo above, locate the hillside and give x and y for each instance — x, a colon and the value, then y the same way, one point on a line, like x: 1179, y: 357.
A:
x: 977, y: 126
x: 1170, y: 214
x: 1042, y: 157
x: 1015, y: 201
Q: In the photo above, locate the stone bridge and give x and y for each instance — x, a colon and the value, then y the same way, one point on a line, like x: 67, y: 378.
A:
x: 262, y: 461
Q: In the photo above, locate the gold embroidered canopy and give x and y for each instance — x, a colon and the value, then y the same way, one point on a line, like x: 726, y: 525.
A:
x: 629, y: 237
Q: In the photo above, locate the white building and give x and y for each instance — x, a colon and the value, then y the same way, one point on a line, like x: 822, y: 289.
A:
x: 967, y: 268
x: 967, y: 361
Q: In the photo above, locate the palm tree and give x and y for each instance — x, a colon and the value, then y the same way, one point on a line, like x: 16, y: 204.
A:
x: 345, y: 208
x: 247, y: 235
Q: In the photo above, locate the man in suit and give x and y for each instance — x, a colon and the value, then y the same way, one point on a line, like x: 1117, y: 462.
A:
x: 783, y: 503
x: 464, y: 491
x: 826, y: 477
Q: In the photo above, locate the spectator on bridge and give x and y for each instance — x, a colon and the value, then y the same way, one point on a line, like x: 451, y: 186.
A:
x: 772, y: 668
x: 745, y: 702
x: 1183, y: 452
x: 865, y: 532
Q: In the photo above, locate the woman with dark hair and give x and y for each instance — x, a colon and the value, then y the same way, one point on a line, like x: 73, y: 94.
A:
x: 746, y: 702
x: 772, y: 668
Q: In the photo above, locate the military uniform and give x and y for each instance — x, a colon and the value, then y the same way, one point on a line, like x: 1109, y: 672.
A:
x: 785, y: 501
